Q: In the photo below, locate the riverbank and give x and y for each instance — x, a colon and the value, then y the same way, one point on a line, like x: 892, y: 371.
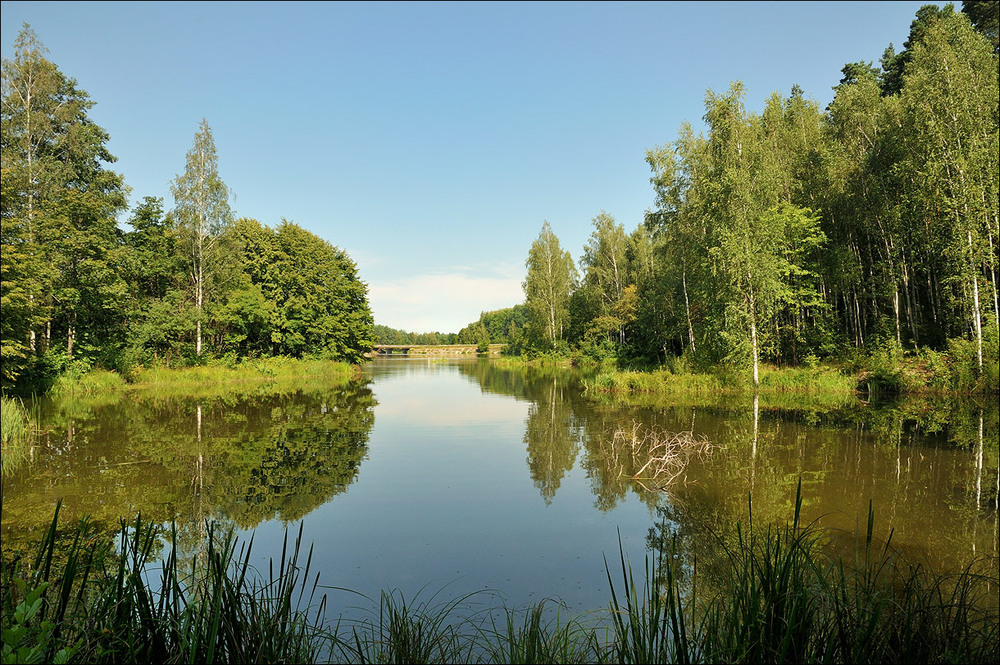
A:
x: 886, y: 374
x: 206, y: 379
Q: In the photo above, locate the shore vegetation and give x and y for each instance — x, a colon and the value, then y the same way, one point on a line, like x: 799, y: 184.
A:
x: 785, y: 596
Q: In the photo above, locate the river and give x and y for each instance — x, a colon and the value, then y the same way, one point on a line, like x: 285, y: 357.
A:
x: 443, y: 477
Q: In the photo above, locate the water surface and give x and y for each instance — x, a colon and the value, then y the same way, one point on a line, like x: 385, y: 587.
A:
x: 456, y: 476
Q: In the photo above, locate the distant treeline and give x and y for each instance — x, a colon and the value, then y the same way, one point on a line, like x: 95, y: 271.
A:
x: 183, y: 286
x: 798, y: 234
x: 387, y: 335
x: 498, y: 327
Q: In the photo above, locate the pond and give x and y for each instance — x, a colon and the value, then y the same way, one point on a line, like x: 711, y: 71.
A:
x: 454, y: 476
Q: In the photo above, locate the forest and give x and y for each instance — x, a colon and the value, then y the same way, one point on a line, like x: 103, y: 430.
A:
x: 792, y: 236
x: 799, y: 234
x: 184, y: 285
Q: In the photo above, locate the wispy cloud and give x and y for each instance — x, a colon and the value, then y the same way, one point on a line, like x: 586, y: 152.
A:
x: 444, y: 302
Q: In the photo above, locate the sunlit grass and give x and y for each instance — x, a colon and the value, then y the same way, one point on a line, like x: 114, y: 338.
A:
x: 253, y: 377
x: 92, y: 382
x: 792, y: 388
x: 17, y: 433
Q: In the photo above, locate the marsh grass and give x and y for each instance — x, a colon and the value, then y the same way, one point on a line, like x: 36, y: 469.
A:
x: 418, y: 631
x: 532, y: 636
x: 17, y: 434
x: 250, y: 377
x: 251, y: 371
x: 772, y: 380
x: 92, y: 602
x: 783, y: 599
x: 782, y: 596
x: 91, y: 382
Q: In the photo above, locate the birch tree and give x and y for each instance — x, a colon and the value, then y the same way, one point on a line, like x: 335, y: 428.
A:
x: 201, y: 207
x: 547, y: 288
x: 951, y: 99
x: 62, y: 197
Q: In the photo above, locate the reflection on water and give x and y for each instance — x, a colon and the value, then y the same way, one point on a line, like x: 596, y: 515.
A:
x: 929, y: 469
x: 437, y: 471
x: 239, y: 461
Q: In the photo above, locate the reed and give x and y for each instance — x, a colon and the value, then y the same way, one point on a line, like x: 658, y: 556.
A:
x: 531, y: 637
x: 91, y: 382
x: 17, y: 434
x: 423, y: 631
x: 784, y: 599
x: 782, y: 596
x: 92, y: 602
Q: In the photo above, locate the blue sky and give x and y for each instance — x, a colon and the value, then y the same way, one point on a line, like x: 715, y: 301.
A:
x: 430, y: 141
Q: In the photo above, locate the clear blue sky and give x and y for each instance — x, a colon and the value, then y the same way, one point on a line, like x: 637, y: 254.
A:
x: 430, y: 141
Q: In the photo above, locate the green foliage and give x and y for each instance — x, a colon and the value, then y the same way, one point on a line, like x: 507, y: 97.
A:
x: 547, y: 287
x: 17, y: 434
x: 500, y: 326
x: 298, y: 295
x: 387, y: 335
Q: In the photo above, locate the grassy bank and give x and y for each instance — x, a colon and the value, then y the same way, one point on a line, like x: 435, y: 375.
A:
x: 887, y: 373
x: 781, y: 598
x: 823, y: 383
x: 207, y: 380
x: 545, y: 360
x: 17, y: 433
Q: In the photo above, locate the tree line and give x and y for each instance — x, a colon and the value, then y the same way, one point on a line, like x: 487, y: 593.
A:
x: 797, y: 233
x: 183, y: 285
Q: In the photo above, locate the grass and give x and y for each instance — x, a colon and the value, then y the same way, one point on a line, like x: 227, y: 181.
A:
x: 249, y: 377
x: 17, y: 434
x: 822, y: 387
x: 92, y: 602
x: 92, y: 382
x: 545, y: 360
x: 779, y: 596
x: 772, y: 380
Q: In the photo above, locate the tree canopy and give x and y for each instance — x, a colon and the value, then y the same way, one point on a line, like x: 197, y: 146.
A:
x: 78, y: 290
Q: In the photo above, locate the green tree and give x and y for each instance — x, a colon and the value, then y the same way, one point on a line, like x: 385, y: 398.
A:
x: 28, y: 133
x: 203, y: 214
x: 606, y: 271
x: 64, y: 201
x: 678, y: 225
x: 547, y: 287
x: 297, y: 295
x: 985, y: 18
x: 951, y: 98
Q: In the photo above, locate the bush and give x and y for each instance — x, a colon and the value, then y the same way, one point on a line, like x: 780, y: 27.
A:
x: 882, y: 371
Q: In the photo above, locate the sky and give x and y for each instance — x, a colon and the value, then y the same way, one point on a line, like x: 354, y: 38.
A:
x: 430, y: 141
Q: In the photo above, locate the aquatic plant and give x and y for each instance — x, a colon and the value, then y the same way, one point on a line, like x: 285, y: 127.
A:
x: 17, y: 433
x: 786, y: 597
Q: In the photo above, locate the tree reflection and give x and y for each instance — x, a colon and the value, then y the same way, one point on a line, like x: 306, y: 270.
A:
x: 552, y: 437
x: 234, y: 460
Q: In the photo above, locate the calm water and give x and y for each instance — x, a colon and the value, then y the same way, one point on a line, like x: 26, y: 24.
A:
x: 455, y: 476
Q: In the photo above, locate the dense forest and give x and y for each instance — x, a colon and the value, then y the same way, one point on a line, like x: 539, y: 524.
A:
x: 798, y: 234
x: 184, y: 285
x: 790, y: 236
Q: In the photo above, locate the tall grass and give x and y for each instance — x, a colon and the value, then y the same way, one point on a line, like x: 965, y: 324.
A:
x: 99, y: 603
x: 772, y: 380
x: 263, y: 369
x: 90, y: 382
x: 782, y: 596
x: 17, y: 433
x: 784, y: 599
